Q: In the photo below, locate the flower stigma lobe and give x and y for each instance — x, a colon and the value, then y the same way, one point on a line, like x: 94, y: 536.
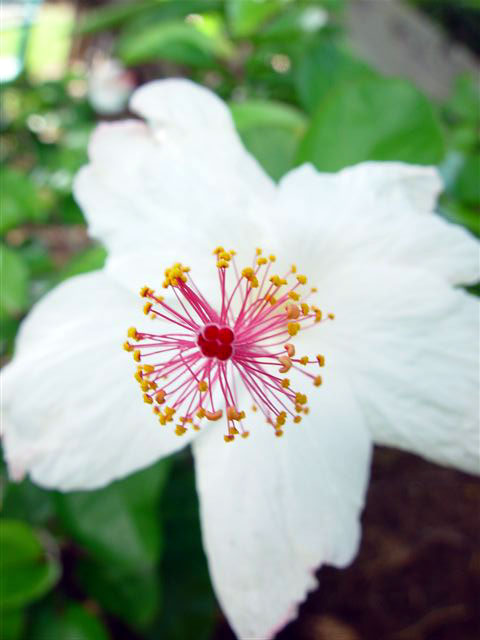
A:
x: 249, y: 338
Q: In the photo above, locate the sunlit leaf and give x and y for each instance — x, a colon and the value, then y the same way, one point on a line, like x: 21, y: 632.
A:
x: 14, y: 279
x: 373, y: 119
x: 271, y: 131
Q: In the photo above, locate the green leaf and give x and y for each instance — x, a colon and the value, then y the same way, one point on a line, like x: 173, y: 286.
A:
x: 27, y: 572
x: 119, y: 523
x: 271, y: 131
x: 467, y: 185
x: 73, y: 623
x: 25, y: 501
x: 372, y: 119
x: 177, y: 41
x: 133, y: 595
x: 88, y: 260
x: 12, y: 623
x: 14, y: 280
x: 246, y: 16
x: 21, y: 201
x: 323, y: 66
x: 189, y: 609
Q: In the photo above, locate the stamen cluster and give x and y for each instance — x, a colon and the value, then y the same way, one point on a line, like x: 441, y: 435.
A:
x: 209, y: 352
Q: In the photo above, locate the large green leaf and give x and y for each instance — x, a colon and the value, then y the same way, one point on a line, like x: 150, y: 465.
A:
x: 323, y: 66
x: 372, y: 119
x: 72, y: 623
x: 271, y: 131
x: 27, y: 572
x: 119, y: 523
x: 189, y: 608
x: 12, y: 623
x: 25, y: 501
x: 133, y: 595
x: 467, y: 185
x: 175, y: 40
x: 113, y: 15
x: 14, y: 283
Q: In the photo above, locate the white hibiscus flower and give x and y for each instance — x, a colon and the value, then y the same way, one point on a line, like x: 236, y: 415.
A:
x: 400, y: 360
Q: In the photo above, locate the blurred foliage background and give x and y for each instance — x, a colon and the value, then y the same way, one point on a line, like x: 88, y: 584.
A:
x: 126, y: 562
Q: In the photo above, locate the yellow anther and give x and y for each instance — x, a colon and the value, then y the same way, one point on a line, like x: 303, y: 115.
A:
x: 277, y: 281
x: 195, y: 427
x: 203, y: 385
x: 225, y: 255
x: 317, y: 381
x: 304, y: 360
x: 302, y: 279
x: 148, y: 368
x: 214, y: 416
x: 297, y: 419
x: 305, y: 308
x: 232, y: 431
x: 245, y: 434
x: 217, y: 251
x: 144, y: 291
x: 271, y: 299
x: 127, y: 346
x: 136, y: 355
x: 290, y: 349
x: 285, y: 383
x: 300, y: 398
x: 253, y: 282
x: 298, y: 408
x: 232, y: 253
x: 318, y: 316
x: 248, y: 273
x: 331, y: 316
x: 160, y: 396
x: 286, y: 363
x: 153, y: 385
x: 293, y: 268
x: 292, y: 311
x: 272, y: 257
x: 222, y: 264
x: 293, y: 295
x: 144, y: 385
x: 258, y: 251
x: 278, y: 433
x: 321, y: 360
x: 169, y: 413
x: 241, y: 415
x: 261, y: 261
x: 162, y: 419
x: 293, y: 328
x: 254, y: 407
x: 229, y: 438
x: 138, y: 376
x: 156, y: 410
x: 306, y: 410
x: 201, y: 413
x: 132, y: 333
x: 147, y: 398
x: 314, y: 289
x: 179, y: 430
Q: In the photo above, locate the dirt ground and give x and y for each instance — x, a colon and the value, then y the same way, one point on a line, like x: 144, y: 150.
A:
x: 417, y: 575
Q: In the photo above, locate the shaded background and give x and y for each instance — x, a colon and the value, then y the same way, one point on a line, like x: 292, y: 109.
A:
x: 325, y: 81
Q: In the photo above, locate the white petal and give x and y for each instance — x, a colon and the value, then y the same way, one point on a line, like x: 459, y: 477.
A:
x: 376, y: 212
x: 74, y: 417
x: 274, y: 509
x: 184, y: 177
x: 409, y: 343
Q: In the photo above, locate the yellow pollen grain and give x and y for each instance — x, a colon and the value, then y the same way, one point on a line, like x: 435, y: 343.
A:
x: 317, y: 381
x: 217, y: 251
x: 305, y: 308
x: 148, y: 368
x: 245, y: 434
x: 127, y: 346
x: 201, y: 413
x: 147, y: 398
x: 297, y: 419
x: 331, y: 316
x: 321, y: 360
x: 261, y: 261
x: 258, y: 251
x: 147, y: 307
x: 293, y: 268
x: 136, y: 355
x: 278, y: 433
x: 203, y: 385
x: 285, y: 383
x: 302, y: 279
x: 293, y: 295
x: 229, y: 438
x: 314, y: 289
x: 144, y: 291
x: 272, y: 257
x: 132, y: 333
x: 304, y: 360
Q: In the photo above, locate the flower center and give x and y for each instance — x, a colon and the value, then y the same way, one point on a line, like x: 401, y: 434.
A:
x: 196, y: 368
x: 216, y: 341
